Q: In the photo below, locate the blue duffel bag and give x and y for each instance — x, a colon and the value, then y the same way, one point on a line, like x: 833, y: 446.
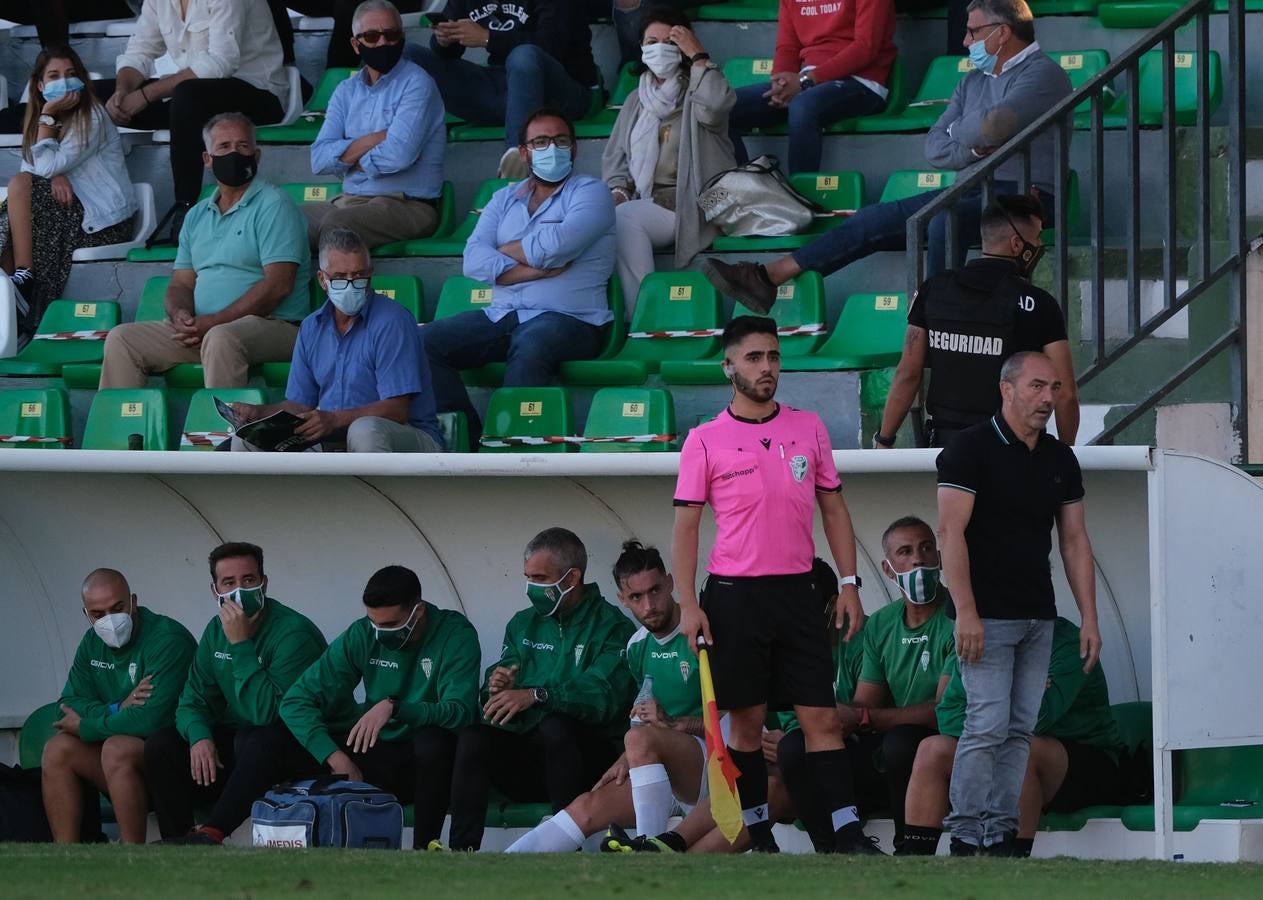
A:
x: 327, y: 812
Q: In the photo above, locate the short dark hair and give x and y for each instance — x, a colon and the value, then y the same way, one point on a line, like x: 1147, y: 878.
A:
x: 392, y: 586
x: 562, y: 543
x: 544, y: 112
x: 1014, y: 13
x: 662, y: 15
x: 233, y: 549
x: 1007, y: 211
x: 636, y: 558
x: 902, y: 522
x: 740, y: 327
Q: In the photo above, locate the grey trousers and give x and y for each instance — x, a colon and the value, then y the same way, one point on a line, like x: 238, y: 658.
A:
x: 372, y: 434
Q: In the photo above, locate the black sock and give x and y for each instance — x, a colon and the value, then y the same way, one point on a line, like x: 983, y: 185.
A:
x: 752, y: 787
x: 762, y: 270
x: 919, y: 840
x: 830, y: 774
x: 673, y: 840
x: 1022, y: 847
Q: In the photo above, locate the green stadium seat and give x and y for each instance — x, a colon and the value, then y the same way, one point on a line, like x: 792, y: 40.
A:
x: 1081, y: 66
x: 203, y: 426
x: 311, y: 191
x: 601, y: 123
x: 36, y: 731
x: 151, y: 307
x: 1135, y: 731
x: 1135, y: 13
x: 71, y: 331
x: 868, y: 335
x: 896, y: 102
x: 742, y: 71
x: 406, y: 290
x: 668, y: 301
x: 496, y: 132
x: 910, y: 182
x: 447, y: 221
x: 1216, y: 783
x: 117, y: 413
x: 34, y: 419
x: 835, y: 191
x: 1064, y: 7
x: 275, y: 374
x: 527, y: 412
x: 619, y: 412
x: 937, y: 87
x: 800, y: 303
x: 739, y: 11
x: 453, y: 243
x: 455, y: 428
x: 574, y: 372
x: 307, y: 126
x: 1150, y: 77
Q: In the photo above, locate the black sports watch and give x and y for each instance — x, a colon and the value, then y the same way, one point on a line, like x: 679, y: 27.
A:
x: 541, y: 695
x: 883, y: 440
x: 805, y: 82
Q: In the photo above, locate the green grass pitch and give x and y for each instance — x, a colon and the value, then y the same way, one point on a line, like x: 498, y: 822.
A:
x: 187, y: 872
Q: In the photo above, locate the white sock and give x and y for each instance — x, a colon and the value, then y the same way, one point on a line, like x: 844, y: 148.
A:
x: 845, y: 816
x: 651, y: 798
x: 559, y: 834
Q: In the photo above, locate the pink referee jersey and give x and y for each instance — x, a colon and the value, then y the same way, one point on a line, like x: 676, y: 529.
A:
x: 761, y: 479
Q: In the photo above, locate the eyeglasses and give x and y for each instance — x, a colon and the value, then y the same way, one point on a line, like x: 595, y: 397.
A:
x: 561, y: 141
x: 392, y: 36
x: 973, y: 32
x: 341, y: 284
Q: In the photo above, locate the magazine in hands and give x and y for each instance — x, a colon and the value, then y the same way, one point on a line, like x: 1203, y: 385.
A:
x: 271, y: 433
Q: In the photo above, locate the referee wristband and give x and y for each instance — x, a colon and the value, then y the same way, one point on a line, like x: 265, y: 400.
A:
x: 884, y: 441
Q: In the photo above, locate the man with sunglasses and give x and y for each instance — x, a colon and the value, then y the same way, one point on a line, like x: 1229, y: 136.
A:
x: 1012, y: 84
x: 419, y: 668
x: 547, y: 248
x: 964, y: 323
x: 229, y: 745
x: 384, y: 136
x: 359, y: 378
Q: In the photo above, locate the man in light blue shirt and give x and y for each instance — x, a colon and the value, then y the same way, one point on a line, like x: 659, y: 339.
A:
x: 546, y: 245
x: 359, y: 373
x: 384, y: 136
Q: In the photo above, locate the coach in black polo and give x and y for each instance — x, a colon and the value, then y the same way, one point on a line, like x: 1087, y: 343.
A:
x: 1002, y: 484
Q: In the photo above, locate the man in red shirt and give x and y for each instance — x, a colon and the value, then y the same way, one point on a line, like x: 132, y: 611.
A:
x: 832, y: 62
x: 764, y: 468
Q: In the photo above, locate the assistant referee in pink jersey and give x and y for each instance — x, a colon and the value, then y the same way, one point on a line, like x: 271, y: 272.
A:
x: 764, y: 467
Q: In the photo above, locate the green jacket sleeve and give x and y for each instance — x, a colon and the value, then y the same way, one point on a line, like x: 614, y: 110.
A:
x: 457, y: 704
x: 79, y: 693
x: 602, y: 690
x: 335, y: 674
x: 169, y: 671
x: 1065, y: 679
x: 202, y: 702
x: 258, y: 689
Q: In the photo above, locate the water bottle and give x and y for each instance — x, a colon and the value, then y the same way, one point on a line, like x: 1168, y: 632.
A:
x: 646, y: 693
x: 135, y: 442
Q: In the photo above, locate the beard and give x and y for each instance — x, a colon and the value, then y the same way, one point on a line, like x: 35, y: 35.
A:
x: 760, y: 392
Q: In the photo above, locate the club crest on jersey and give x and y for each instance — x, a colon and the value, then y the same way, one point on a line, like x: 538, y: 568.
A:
x: 685, y: 668
x: 427, y: 666
x: 131, y: 672
x: 578, y: 653
x: 798, y: 467
x: 925, y: 660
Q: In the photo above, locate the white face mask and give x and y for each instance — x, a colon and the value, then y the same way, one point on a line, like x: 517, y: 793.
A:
x: 115, y: 629
x: 662, y: 59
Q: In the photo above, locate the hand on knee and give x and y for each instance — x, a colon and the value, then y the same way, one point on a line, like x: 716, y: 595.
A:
x: 640, y: 747
x: 58, y: 750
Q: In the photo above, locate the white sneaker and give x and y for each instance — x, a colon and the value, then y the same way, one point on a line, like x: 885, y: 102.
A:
x: 512, y: 165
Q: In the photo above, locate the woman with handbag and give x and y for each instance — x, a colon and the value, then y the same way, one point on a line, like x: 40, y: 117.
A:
x: 670, y: 138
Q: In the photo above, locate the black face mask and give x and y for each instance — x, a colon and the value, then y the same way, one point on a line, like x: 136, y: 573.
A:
x: 234, y: 169
x: 381, y: 58
x: 1028, y: 257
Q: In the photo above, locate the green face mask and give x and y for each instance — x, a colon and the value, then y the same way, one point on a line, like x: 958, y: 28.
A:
x: 919, y: 584
x: 397, y: 637
x: 249, y: 599
x: 546, y: 598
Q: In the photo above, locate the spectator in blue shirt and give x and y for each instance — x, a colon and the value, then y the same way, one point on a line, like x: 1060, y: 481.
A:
x: 547, y: 247
x: 384, y: 137
x: 359, y: 374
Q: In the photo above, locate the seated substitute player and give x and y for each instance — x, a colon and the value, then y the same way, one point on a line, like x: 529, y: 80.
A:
x: 124, y: 684
x: 764, y: 467
x: 662, y: 755
x: 228, y: 745
x: 1073, y: 761
x: 419, y: 667
x: 555, y: 701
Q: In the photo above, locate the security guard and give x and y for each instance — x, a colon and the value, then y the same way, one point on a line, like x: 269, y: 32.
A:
x: 965, y: 323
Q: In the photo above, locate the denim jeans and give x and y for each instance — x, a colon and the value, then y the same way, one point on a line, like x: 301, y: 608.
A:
x: 493, y: 95
x: 532, y: 352
x: 883, y: 226
x: 807, y: 114
x: 1004, y: 689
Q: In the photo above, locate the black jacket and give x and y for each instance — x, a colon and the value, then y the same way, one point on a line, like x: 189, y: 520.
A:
x: 558, y: 27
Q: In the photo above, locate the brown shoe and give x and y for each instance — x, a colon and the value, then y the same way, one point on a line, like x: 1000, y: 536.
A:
x: 745, y: 282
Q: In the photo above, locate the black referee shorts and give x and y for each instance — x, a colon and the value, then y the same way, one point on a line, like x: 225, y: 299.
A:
x: 770, y: 642
x: 1092, y: 779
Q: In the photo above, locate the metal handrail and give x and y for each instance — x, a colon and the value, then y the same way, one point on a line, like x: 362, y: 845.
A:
x: 1060, y: 118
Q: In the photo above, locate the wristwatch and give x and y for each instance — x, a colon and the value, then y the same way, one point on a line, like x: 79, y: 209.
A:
x: 541, y: 696
x: 394, y: 705
x: 702, y: 55
x: 850, y: 579
x: 883, y: 440
x: 46, y: 119
x: 805, y: 82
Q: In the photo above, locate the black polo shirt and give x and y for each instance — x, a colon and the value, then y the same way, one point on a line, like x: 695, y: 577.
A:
x: 1017, y: 495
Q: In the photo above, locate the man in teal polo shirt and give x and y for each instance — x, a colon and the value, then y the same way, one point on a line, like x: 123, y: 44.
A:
x: 239, y: 285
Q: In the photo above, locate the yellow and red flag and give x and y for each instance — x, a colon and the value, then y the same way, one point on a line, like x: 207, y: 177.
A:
x: 721, y: 771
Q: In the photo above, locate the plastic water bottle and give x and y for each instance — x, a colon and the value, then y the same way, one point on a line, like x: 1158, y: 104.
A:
x: 646, y: 693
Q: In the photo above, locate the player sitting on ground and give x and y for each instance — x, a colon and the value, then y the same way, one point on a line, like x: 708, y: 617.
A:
x: 1074, y: 752
x: 662, y: 747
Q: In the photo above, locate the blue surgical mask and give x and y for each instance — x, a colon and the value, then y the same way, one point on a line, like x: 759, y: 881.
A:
x: 978, y: 55
x: 60, y: 87
x: 552, y: 164
x: 350, y: 300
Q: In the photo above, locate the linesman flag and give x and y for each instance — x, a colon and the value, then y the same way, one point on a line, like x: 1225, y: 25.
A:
x: 721, y: 771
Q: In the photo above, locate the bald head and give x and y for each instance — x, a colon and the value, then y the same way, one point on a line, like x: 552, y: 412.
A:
x: 106, y: 591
